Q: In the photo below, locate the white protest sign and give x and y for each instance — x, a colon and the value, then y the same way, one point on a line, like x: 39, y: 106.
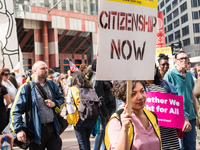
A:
x: 126, y: 39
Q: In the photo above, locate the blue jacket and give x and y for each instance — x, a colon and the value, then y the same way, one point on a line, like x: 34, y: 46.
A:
x: 20, y: 107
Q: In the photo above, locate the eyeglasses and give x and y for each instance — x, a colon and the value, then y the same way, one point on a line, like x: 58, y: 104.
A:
x: 166, y: 64
x: 181, y: 59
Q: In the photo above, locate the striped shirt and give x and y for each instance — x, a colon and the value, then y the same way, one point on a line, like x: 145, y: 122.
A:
x: 169, y: 136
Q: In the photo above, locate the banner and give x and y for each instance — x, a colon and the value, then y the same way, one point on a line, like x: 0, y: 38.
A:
x: 126, y: 39
x: 168, y: 108
x: 10, y: 52
x: 160, y: 31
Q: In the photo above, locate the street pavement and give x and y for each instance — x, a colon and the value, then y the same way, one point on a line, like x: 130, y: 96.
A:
x: 69, y: 141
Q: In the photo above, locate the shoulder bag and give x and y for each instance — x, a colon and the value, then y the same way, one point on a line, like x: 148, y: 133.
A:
x: 63, y: 122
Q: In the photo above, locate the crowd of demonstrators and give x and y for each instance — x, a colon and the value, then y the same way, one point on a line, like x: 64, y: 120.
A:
x: 44, y: 122
x: 3, y: 107
x: 183, y: 82
x: 169, y: 136
x: 139, y: 130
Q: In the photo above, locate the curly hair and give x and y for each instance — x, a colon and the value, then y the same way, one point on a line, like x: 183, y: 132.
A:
x: 119, y: 91
x: 162, y: 56
x: 80, y: 80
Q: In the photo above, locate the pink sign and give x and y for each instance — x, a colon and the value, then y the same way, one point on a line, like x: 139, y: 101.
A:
x: 168, y: 108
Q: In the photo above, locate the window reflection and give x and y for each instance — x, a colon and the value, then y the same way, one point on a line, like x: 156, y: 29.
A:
x: 80, y: 6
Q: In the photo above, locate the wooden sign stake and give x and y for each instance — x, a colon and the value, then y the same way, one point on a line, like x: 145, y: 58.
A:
x: 129, y: 97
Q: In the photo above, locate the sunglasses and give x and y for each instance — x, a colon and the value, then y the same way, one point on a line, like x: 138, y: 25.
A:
x: 166, y: 64
x: 5, y: 74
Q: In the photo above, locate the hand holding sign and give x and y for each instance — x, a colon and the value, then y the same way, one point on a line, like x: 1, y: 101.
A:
x: 126, y: 119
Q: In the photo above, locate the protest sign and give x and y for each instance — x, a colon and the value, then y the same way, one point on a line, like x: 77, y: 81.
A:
x: 126, y: 39
x: 168, y: 108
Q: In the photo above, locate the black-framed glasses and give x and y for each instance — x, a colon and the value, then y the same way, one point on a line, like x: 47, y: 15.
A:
x: 184, y: 58
x: 165, y: 64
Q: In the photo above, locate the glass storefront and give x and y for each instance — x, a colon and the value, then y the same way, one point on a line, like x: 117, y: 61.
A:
x: 89, y: 7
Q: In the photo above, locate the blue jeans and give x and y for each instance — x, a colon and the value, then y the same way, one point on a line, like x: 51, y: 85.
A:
x: 189, y: 139
x: 83, y: 130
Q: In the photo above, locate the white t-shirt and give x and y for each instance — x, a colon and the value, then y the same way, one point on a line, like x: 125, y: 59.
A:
x: 12, y: 91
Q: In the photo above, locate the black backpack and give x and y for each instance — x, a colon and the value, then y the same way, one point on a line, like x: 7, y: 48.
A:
x: 89, y: 105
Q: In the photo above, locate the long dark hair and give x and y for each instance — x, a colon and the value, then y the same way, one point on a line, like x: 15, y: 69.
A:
x: 80, y: 80
x: 157, y: 77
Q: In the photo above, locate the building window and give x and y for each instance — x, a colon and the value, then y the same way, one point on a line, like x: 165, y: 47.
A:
x: 165, y: 40
x: 169, y: 17
x: 168, y: 8
x: 184, y: 18
x: 165, y: 30
x: 186, y: 42
x: 174, y: 3
x: 161, y: 4
x: 71, y: 5
x: 169, y: 27
x: 176, y: 23
x: 54, y: 2
x: 175, y: 13
x: 195, y: 3
x: 195, y: 15
x: 196, y: 27
x: 164, y: 21
x: 78, y: 6
x: 185, y: 31
x: 196, y: 40
x: 177, y: 35
x: 171, y: 37
x: 158, y: 8
x: 78, y: 62
x: 163, y: 12
x: 183, y: 7
x: 166, y: 1
x: 64, y: 5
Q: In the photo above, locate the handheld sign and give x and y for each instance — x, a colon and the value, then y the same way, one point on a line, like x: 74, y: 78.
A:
x: 168, y: 108
x: 126, y: 40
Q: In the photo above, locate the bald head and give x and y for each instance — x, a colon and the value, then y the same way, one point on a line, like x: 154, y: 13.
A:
x: 37, y: 64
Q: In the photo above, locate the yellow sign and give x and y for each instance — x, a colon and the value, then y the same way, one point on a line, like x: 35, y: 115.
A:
x: 146, y: 3
x: 164, y: 50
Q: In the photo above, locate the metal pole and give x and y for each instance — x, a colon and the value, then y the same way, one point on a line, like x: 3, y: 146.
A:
x: 54, y: 6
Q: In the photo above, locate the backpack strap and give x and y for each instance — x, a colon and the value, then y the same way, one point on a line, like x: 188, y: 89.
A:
x: 152, y: 117
x: 117, y: 115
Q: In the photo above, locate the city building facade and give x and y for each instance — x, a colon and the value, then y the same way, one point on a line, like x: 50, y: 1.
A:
x: 182, y: 23
x: 67, y: 31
